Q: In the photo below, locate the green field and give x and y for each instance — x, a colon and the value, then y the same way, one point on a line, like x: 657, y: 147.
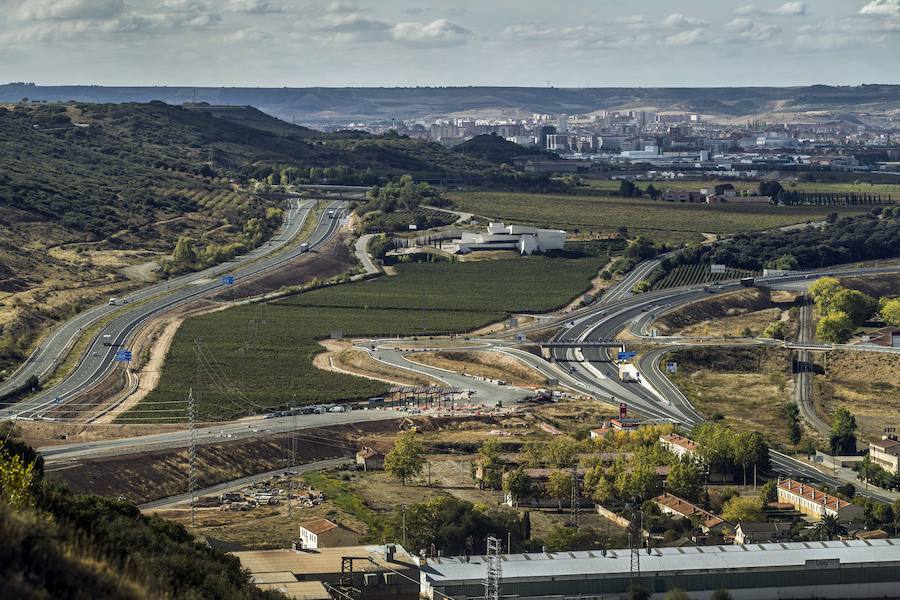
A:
x: 257, y: 357
x: 659, y: 220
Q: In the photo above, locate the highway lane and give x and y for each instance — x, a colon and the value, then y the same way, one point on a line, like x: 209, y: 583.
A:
x: 54, y: 347
x: 100, y: 357
x: 306, y: 426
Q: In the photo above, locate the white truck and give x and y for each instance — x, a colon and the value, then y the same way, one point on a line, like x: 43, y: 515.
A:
x: 112, y: 301
x: 304, y: 247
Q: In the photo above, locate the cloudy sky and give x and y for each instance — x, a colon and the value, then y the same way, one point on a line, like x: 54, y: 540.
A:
x: 460, y: 42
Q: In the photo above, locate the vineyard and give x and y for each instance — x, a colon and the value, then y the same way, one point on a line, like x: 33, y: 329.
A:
x: 697, y: 274
x: 217, y: 202
x: 597, y: 247
x: 258, y: 357
x: 401, y: 220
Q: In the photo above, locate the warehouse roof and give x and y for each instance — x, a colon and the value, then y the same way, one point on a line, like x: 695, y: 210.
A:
x: 443, y: 571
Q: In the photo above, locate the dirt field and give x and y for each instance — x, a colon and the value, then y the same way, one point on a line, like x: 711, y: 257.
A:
x: 882, y: 285
x: 867, y: 384
x: 343, y: 357
x: 727, y: 314
x: 747, y: 386
x: 491, y: 365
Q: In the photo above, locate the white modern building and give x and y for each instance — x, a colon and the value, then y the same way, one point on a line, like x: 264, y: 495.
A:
x: 525, y: 240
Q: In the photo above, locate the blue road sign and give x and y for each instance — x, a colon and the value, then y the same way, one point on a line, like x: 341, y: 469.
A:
x: 671, y: 367
x: 228, y: 279
x: 123, y: 356
x: 627, y: 355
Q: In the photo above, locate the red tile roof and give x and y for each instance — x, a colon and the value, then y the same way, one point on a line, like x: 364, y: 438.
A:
x: 804, y: 490
x: 318, y: 525
x: 679, y: 440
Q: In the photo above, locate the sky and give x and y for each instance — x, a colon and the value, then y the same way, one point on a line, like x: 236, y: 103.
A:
x: 563, y: 43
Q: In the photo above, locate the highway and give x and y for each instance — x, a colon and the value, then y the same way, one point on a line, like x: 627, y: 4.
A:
x: 655, y: 397
x: 152, y: 301
x: 305, y: 426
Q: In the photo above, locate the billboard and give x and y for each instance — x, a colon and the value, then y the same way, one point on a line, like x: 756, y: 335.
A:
x: 623, y: 410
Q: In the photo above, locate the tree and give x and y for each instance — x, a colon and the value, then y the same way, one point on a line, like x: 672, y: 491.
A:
x: 517, y: 484
x: 676, y: 594
x: 835, y: 328
x: 792, y: 415
x: 843, y: 432
x: 720, y: 595
x: 405, y: 460
x: 822, y: 291
x: 777, y: 330
x: 890, y: 312
x: 184, y: 251
x: 17, y: 479
x: 561, y: 452
x: 640, y: 482
x: 829, y: 528
x: 559, y: 486
x: 743, y: 508
x: 489, y: 459
x: 858, y: 306
x: 685, y: 479
x: 769, y: 491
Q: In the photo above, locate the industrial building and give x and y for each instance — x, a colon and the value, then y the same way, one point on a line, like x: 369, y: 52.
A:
x: 840, y: 569
x: 384, y: 572
x: 815, y: 503
x: 525, y: 240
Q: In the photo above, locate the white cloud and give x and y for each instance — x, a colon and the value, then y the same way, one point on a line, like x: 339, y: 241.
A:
x: 749, y: 30
x: 794, y: 9
x: 790, y: 9
x: 36, y: 10
x: 342, y: 6
x: 679, y: 21
x: 254, y: 7
x: 251, y: 35
x: 691, y: 37
x: 440, y: 32
x: 886, y: 8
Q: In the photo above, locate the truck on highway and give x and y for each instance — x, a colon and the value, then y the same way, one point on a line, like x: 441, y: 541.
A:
x: 107, y: 339
x: 748, y: 281
x: 330, y: 214
x: 304, y: 247
x: 112, y: 301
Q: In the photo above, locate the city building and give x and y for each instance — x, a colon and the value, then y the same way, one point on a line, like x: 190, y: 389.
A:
x: 679, y: 445
x: 370, y: 459
x: 322, y: 533
x: 525, y: 240
x: 762, y: 532
x: 384, y: 572
x: 827, y: 570
x: 815, y: 503
x: 886, y: 454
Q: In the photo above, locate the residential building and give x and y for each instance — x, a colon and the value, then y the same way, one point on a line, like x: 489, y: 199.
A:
x: 886, y: 454
x: 815, y: 503
x: 682, y: 196
x: 671, y: 504
x: 385, y: 572
x: 762, y: 532
x: 322, y: 533
x: 370, y: 459
x: 828, y: 570
x: 679, y: 445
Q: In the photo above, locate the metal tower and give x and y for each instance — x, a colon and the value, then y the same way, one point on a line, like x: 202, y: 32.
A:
x: 574, y: 506
x: 494, y: 572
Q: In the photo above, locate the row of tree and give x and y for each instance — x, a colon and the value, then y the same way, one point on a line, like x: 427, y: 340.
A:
x: 841, y: 310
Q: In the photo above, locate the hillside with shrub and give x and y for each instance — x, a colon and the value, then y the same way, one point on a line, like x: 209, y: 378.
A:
x: 61, y: 545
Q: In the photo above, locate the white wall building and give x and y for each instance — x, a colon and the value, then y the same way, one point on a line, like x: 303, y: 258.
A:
x: 525, y: 240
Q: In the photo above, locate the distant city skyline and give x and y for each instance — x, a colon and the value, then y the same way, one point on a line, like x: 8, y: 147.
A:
x: 572, y: 43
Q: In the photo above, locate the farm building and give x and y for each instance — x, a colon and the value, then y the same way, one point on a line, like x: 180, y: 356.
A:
x: 322, y: 533
x: 370, y: 459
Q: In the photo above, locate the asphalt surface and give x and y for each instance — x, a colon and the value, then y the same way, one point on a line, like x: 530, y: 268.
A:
x: 147, y: 303
x: 306, y: 425
x: 656, y: 397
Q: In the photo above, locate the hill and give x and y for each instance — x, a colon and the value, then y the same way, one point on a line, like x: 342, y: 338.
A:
x: 62, y: 545
x: 337, y: 105
x: 93, y: 196
x: 493, y: 148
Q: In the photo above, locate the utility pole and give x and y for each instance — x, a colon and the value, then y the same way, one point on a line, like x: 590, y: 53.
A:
x: 574, y: 506
x: 494, y: 570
